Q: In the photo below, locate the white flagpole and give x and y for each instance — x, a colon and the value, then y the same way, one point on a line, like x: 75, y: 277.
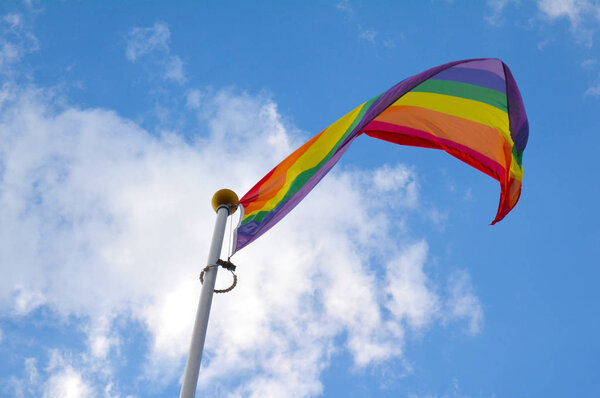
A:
x: 225, y: 203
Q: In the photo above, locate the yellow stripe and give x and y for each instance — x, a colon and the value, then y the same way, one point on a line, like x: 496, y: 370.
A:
x: 476, y: 111
x: 312, y: 156
x: 515, y: 170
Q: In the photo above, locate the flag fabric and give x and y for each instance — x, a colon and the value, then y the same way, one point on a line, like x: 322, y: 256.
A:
x: 471, y: 109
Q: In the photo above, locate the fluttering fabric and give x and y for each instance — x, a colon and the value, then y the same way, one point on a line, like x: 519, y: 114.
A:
x: 471, y: 109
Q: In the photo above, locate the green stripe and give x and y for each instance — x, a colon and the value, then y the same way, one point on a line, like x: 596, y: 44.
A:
x: 464, y: 90
x: 303, y: 177
x: 518, y: 156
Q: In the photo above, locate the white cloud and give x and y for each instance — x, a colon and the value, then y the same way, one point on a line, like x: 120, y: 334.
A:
x: 174, y: 69
x: 497, y: 8
x: 28, y: 385
x: 463, y: 304
x: 67, y: 383
x: 13, y: 20
x: 400, y: 180
x: 16, y: 41
x: 589, y: 63
x: 65, y: 375
x: 31, y: 371
x: 142, y: 41
x: 345, y: 7
x: 583, y: 16
x: 367, y: 34
x: 102, y: 220
x: 26, y: 300
x: 153, y: 43
x: 412, y: 299
x: 107, y: 220
x: 570, y: 9
x: 100, y: 338
x: 593, y: 90
x: 193, y: 99
x: 391, y: 43
x: 62, y: 380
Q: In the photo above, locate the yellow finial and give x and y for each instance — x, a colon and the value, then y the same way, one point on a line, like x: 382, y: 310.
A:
x: 225, y: 197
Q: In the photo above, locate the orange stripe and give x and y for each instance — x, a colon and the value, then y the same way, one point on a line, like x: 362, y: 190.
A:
x: 270, y: 187
x: 481, y: 138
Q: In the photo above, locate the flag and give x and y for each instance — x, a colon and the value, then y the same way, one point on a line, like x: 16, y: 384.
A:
x: 472, y: 109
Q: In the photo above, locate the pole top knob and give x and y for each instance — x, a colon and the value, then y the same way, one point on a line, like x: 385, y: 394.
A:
x: 225, y: 197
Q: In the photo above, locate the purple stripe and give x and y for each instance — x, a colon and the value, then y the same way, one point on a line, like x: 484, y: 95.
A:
x: 493, y: 65
x: 517, y: 117
x: 473, y: 76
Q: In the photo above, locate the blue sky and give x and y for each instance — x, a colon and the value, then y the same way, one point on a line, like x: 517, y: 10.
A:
x: 119, y: 121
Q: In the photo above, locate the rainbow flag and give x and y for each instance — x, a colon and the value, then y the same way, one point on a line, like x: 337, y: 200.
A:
x: 471, y: 109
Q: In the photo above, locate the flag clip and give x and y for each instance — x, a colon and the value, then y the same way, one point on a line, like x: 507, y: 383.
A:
x: 226, y: 264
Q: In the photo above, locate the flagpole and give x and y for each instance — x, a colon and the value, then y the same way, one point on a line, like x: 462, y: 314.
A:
x: 225, y: 203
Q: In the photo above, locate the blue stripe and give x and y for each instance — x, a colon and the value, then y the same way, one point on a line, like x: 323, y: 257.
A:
x: 477, y: 77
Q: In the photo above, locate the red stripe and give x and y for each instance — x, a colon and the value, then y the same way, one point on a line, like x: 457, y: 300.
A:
x: 408, y: 136
x: 510, y: 189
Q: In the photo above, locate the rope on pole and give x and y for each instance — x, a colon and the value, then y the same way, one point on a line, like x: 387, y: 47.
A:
x: 228, y: 265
